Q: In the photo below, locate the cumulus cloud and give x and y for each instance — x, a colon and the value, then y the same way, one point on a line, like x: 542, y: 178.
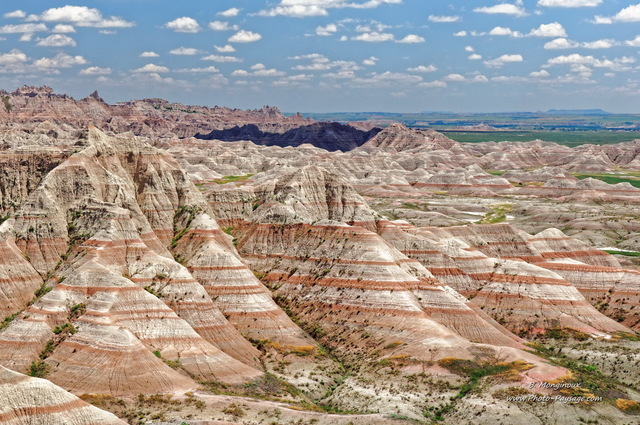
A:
x: 184, y: 51
x: 411, y: 39
x: 327, y: 30
x: 628, y: 14
x: 221, y: 59
x: 95, y: 70
x: 554, y: 29
x: 244, y: 36
x: 433, y: 84
x: 543, y: 73
x: 229, y: 13
x: 502, y: 31
x: 460, y: 34
x: 15, y: 14
x: 634, y: 43
x: 444, y: 19
x: 63, y: 29
x: 258, y: 70
x: 617, y: 64
x: 183, y: 24
x: 56, y: 40
x: 563, y: 43
x: 475, y: 57
x: 374, y: 37
x: 309, y: 8
x: 61, y: 60
x: 207, y: 70
x: 222, y: 26
x: 502, y: 60
x: 455, y: 77
x: 151, y: 68
x: 227, y: 48
x: 371, y: 61
x: 423, y: 68
x: 13, y: 57
x: 503, y: 9
x: 569, y: 3
x: 23, y: 28
x: 149, y: 55
x: 81, y: 16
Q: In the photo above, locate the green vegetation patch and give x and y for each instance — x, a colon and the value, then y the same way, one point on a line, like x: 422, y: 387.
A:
x: 498, y: 214
x: 233, y: 179
x: 634, y: 180
x: 625, y: 253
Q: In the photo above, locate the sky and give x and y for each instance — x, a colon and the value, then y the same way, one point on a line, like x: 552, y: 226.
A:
x: 331, y: 55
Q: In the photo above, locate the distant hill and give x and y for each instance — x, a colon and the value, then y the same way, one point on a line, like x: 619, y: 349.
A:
x: 578, y: 112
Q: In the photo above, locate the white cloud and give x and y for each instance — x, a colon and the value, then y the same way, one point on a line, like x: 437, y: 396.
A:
x: 229, y: 13
x: 244, y: 36
x: 295, y: 11
x: 26, y: 37
x: 370, y: 61
x: 22, y: 28
x: 327, y: 30
x: 61, y: 60
x: 222, y: 26
x: 149, y: 55
x: 569, y: 3
x: 423, y: 68
x: 433, y: 84
x: 634, y: 43
x: 207, y: 70
x: 411, y: 39
x: 13, y: 57
x: 500, y: 31
x: 221, y: 59
x: 308, y: 8
x: 469, y: 49
x: 184, y: 24
x: 455, y: 77
x: 258, y: 70
x: 599, y: 44
x: 617, y: 64
x: 460, y: 34
x: 63, y: 29
x: 151, y: 68
x: 553, y: 29
x: 475, y: 57
x: 628, y: 14
x: 56, y: 40
x: 502, y: 60
x: 444, y: 19
x: 563, y: 43
x: 15, y: 14
x: 81, y: 16
x: 560, y: 43
x: 95, y: 70
x: 539, y: 74
x: 184, y: 51
x: 502, y: 8
x: 374, y: 37
x: 227, y: 48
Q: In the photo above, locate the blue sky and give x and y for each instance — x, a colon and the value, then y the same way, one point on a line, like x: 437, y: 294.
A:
x: 331, y: 55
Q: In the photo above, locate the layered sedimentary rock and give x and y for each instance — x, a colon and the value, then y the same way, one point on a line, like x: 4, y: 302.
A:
x: 106, y: 248
x: 33, y: 401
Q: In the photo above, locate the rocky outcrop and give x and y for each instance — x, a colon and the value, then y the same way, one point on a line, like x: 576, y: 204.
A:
x: 25, y: 400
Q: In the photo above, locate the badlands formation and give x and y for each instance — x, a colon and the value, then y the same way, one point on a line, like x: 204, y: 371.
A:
x: 170, y: 264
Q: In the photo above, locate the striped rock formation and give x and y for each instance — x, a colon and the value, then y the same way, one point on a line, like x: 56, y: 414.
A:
x: 32, y: 401
x: 99, y: 330
x: 503, y: 271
